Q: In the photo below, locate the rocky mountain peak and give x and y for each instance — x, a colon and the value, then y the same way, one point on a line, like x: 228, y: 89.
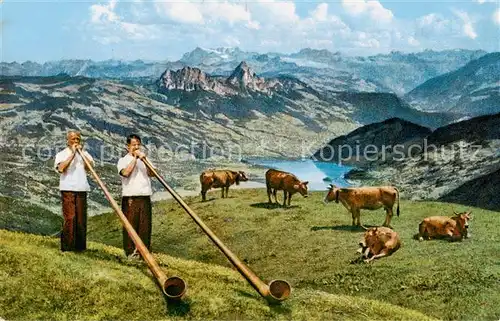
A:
x: 244, y: 77
x: 187, y: 78
x: 242, y: 73
x: 241, y: 81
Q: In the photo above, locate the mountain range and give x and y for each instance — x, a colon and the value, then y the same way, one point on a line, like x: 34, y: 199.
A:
x: 471, y: 90
x: 243, y: 93
x: 395, y: 72
x: 225, y: 99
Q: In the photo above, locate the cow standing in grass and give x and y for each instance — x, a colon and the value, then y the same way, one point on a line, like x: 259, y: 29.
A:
x: 378, y: 242
x: 278, y: 180
x: 368, y: 198
x: 220, y: 178
x: 455, y: 228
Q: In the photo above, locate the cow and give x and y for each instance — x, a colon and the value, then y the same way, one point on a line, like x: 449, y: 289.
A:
x: 378, y: 242
x: 220, y: 178
x: 277, y: 180
x: 368, y: 198
x: 454, y: 228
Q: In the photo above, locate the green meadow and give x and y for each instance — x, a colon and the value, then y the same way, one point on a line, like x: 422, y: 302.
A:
x: 311, y: 245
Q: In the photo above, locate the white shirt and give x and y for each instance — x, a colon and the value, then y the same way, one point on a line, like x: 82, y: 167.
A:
x: 138, y: 182
x: 74, y: 178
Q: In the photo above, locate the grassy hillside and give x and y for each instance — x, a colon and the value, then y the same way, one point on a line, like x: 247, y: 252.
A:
x: 21, y: 215
x: 311, y: 245
x: 37, y: 281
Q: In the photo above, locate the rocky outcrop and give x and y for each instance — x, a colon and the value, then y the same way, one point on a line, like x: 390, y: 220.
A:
x: 480, y: 192
x: 477, y: 129
x: 366, y: 143
x: 244, y: 78
x: 191, y: 79
x: 241, y: 81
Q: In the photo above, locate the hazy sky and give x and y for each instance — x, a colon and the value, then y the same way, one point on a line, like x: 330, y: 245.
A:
x: 164, y: 30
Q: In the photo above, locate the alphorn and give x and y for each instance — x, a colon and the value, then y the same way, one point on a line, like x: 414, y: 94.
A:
x: 275, y: 292
x: 174, y: 287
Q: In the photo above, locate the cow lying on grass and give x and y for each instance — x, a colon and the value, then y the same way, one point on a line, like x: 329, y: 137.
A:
x: 368, y: 198
x: 287, y: 182
x: 220, y: 178
x: 378, y: 242
x: 454, y: 228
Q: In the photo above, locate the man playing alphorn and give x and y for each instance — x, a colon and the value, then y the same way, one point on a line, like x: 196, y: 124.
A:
x: 74, y: 186
x: 136, y: 194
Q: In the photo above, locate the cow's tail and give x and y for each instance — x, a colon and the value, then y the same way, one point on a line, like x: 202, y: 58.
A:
x: 397, y: 194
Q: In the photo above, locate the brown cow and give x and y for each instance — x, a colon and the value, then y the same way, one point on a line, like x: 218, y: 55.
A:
x: 287, y: 182
x: 220, y: 178
x: 368, y: 198
x: 378, y: 242
x: 455, y: 228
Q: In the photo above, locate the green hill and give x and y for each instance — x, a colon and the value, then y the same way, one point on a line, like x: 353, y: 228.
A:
x: 311, y: 246
x: 21, y: 215
x: 37, y: 281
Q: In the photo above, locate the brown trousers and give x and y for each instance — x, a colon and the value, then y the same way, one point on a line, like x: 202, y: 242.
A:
x: 137, y: 209
x: 74, y: 233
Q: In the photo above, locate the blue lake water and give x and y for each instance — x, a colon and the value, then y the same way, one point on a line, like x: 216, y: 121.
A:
x: 319, y: 174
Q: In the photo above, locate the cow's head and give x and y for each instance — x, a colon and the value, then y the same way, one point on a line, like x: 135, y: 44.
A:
x: 366, y: 242
x: 364, y: 250
x: 462, y: 220
x: 301, y: 188
x: 332, y: 194
x: 241, y: 177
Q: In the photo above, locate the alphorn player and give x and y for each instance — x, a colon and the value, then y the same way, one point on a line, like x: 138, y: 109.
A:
x: 136, y: 195
x: 74, y: 186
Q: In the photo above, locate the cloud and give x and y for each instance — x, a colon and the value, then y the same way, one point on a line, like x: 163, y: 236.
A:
x: 378, y: 12
x: 271, y: 12
x: 371, y: 8
x: 469, y: 31
x: 496, y: 17
x: 435, y: 30
x: 354, y: 8
x: 107, y: 40
x: 367, y: 44
x: 227, y: 12
x: 433, y: 21
x: 232, y: 41
x: 273, y: 25
x: 103, y: 13
x: 191, y: 12
x: 436, y: 25
x: 136, y: 31
x: 109, y: 27
x: 320, y: 13
x: 413, y: 42
x: 253, y: 25
x: 180, y: 11
x: 467, y: 27
x: 484, y: 1
x: 265, y: 24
